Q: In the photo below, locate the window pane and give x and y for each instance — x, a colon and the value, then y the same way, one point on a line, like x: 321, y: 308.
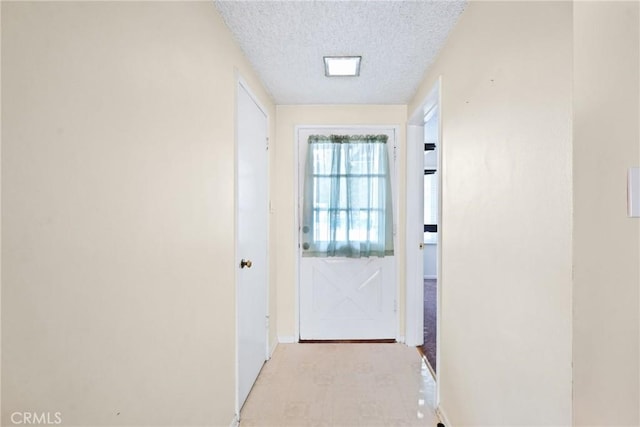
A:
x: 431, y: 199
x: 341, y: 226
x: 322, y: 193
x: 321, y: 226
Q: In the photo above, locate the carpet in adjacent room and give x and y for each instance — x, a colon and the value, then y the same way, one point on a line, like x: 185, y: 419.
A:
x: 430, y: 319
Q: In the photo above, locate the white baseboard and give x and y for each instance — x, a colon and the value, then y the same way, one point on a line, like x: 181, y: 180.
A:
x: 287, y: 339
x: 431, y: 276
x: 443, y: 417
x: 401, y: 339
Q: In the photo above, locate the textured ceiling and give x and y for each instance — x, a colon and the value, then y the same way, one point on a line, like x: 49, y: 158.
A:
x: 286, y: 40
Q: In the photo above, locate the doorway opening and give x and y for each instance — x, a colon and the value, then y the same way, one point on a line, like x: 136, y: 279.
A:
x: 431, y: 191
x: 424, y: 233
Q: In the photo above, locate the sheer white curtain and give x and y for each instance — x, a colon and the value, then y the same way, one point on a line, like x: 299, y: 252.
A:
x: 347, y: 204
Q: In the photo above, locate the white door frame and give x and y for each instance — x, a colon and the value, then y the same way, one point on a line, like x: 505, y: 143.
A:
x: 298, y: 220
x: 242, y: 84
x: 414, y: 311
x: 414, y: 315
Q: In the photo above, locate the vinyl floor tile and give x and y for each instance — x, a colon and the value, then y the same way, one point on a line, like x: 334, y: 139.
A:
x: 342, y: 385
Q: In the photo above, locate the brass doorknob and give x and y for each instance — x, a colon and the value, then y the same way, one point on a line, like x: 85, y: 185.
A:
x: 245, y: 263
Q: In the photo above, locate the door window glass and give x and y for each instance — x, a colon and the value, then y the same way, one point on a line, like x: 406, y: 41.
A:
x: 347, y: 206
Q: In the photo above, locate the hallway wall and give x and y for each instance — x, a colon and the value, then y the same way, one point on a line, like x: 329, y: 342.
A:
x: 506, y: 219
x: 288, y: 117
x: 606, y: 242
x: 118, y: 265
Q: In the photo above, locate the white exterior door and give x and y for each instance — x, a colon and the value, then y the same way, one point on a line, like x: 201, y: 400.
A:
x: 252, y: 235
x: 346, y: 298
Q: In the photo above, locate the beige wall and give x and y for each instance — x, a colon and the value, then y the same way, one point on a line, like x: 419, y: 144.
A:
x: 606, y: 242
x: 506, y: 223
x: 288, y: 117
x: 118, y: 212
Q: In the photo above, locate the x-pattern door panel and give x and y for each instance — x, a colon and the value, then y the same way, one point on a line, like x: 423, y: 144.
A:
x: 346, y: 296
x: 347, y: 299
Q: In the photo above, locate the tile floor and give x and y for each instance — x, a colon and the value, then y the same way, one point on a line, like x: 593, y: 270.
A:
x: 342, y: 385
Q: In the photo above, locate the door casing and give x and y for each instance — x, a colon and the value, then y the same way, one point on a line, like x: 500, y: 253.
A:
x: 414, y: 224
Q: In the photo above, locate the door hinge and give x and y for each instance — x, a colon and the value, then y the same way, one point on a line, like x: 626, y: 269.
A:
x: 395, y: 306
x: 266, y: 322
x: 267, y: 143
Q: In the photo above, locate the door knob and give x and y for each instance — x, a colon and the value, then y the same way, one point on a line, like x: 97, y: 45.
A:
x: 245, y: 263
x: 421, y: 246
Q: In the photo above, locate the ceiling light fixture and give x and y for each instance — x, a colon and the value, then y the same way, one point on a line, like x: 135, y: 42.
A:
x: 342, y: 66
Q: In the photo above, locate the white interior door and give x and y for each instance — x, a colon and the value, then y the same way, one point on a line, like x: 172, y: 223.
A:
x: 252, y: 229
x: 347, y: 298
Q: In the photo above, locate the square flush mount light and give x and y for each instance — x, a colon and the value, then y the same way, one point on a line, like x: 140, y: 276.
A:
x: 342, y: 66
